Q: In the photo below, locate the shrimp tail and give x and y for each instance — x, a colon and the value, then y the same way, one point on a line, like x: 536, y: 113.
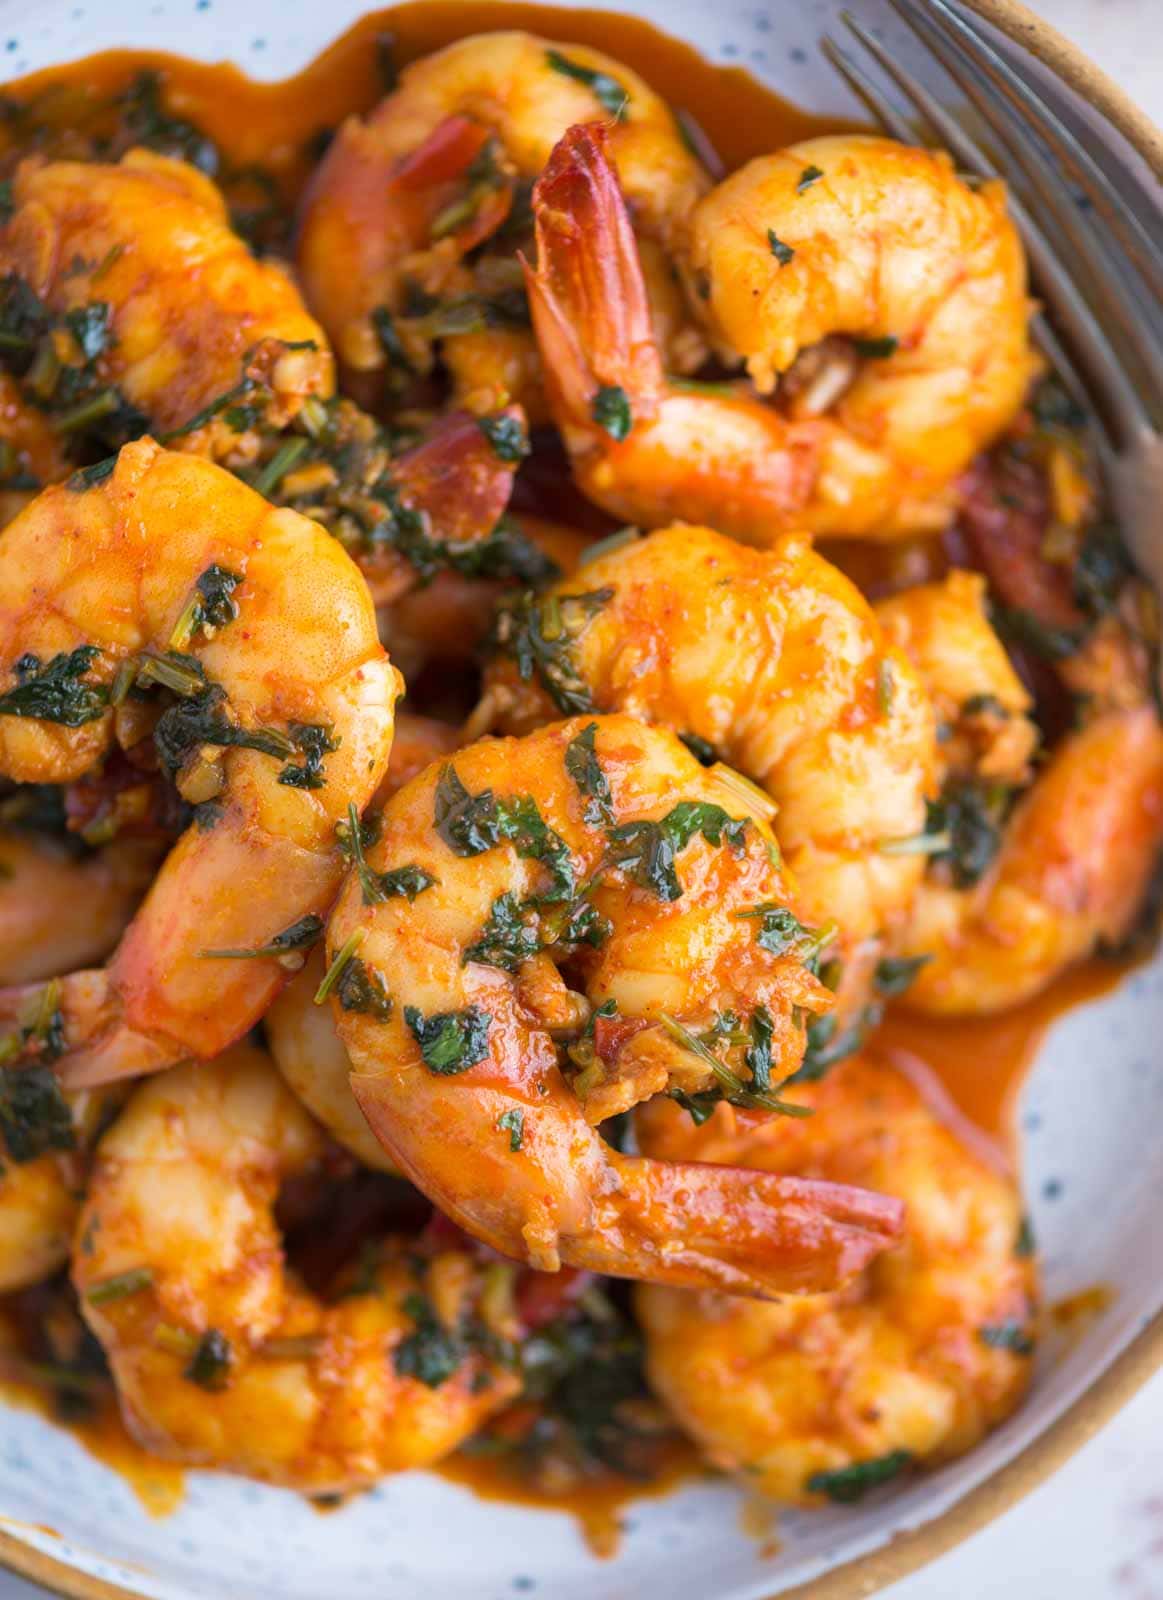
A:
x: 700, y: 1226
x: 587, y: 294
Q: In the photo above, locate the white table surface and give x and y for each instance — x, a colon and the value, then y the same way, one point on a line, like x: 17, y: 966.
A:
x: 1095, y: 1531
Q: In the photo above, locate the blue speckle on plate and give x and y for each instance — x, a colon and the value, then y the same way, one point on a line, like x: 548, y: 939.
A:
x: 523, y: 1584
x: 12, y: 44
x: 1052, y: 1188
x: 259, y: 44
x: 1032, y: 1121
x: 798, y: 56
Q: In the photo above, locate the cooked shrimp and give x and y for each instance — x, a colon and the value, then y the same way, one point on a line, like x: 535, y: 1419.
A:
x: 886, y: 245
x: 59, y: 910
x: 824, y: 1396
x: 775, y: 661
x: 221, y: 1358
x: 1074, y: 864
x: 31, y: 454
x: 132, y: 279
x: 45, y: 1141
x: 401, y: 197
x: 169, y: 570
x: 982, y: 706
x: 301, y: 1035
x: 606, y: 846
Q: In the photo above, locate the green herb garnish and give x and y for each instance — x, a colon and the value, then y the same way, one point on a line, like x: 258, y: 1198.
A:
x: 846, y: 1485
x: 783, y: 253
x: 209, y: 1366
x: 56, y: 692
x: 451, y: 1041
x: 507, y: 436
x: 583, y: 766
x: 513, y: 1121
x: 610, y: 409
x: 607, y: 91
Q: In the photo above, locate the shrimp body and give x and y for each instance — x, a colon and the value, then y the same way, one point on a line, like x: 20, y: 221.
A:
x: 41, y: 1189
x: 1075, y: 863
x: 775, y: 660
x: 295, y: 1390
x: 188, y: 313
x: 32, y: 453
x: 940, y: 263
x: 58, y: 911
x: 982, y: 706
x: 284, y: 720
x: 452, y: 1012
x: 301, y: 1036
x: 922, y: 1355
x: 464, y: 127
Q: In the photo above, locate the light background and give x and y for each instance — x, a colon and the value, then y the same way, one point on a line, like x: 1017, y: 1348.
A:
x: 1095, y: 1531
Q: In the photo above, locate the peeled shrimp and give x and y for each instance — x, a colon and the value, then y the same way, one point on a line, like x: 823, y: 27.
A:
x: 774, y: 660
x: 1075, y: 857
x: 59, y: 910
x: 220, y: 1356
x: 177, y: 312
x: 982, y: 706
x: 886, y: 245
x: 914, y: 1362
x: 42, y: 1181
x: 1075, y: 862
x: 451, y: 1003
x: 402, y: 196
x: 284, y: 720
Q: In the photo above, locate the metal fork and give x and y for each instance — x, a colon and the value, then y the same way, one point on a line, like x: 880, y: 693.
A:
x: 1104, y: 332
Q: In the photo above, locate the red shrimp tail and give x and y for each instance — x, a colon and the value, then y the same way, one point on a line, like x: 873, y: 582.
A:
x: 587, y: 295
x: 698, y: 1226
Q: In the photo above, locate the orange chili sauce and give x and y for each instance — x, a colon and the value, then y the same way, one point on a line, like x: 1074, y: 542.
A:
x: 270, y: 124
x: 971, y: 1070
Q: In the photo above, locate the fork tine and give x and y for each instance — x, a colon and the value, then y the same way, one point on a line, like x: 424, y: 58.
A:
x: 1091, y: 179
x: 1095, y: 354
x: 862, y: 85
x: 1130, y: 334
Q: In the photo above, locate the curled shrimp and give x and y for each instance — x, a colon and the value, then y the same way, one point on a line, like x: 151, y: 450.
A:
x: 1012, y: 900
x: 127, y: 280
x: 605, y: 847
x: 401, y: 197
x: 1073, y: 865
x: 169, y: 571
x: 57, y: 910
x: 886, y: 244
x: 220, y: 1356
x: 302, y: 1036
x: 60, y: 909
x: 822, y: 1397
x: 773, y: 662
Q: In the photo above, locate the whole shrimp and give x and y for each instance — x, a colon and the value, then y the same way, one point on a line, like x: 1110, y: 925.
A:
x: 823, y: 1397
x: 221, y: 1357
x: 604, y: 848
x: 848, y: 236
x: 170, y: 572
x: 139, y: 308
x: 45, y: 1143
x: 773, y: 662
x: 401, y: 197
x: 1012, y: 900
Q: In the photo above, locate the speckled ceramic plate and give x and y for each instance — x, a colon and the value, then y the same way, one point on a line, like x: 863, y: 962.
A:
x: 1093, y: 1158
